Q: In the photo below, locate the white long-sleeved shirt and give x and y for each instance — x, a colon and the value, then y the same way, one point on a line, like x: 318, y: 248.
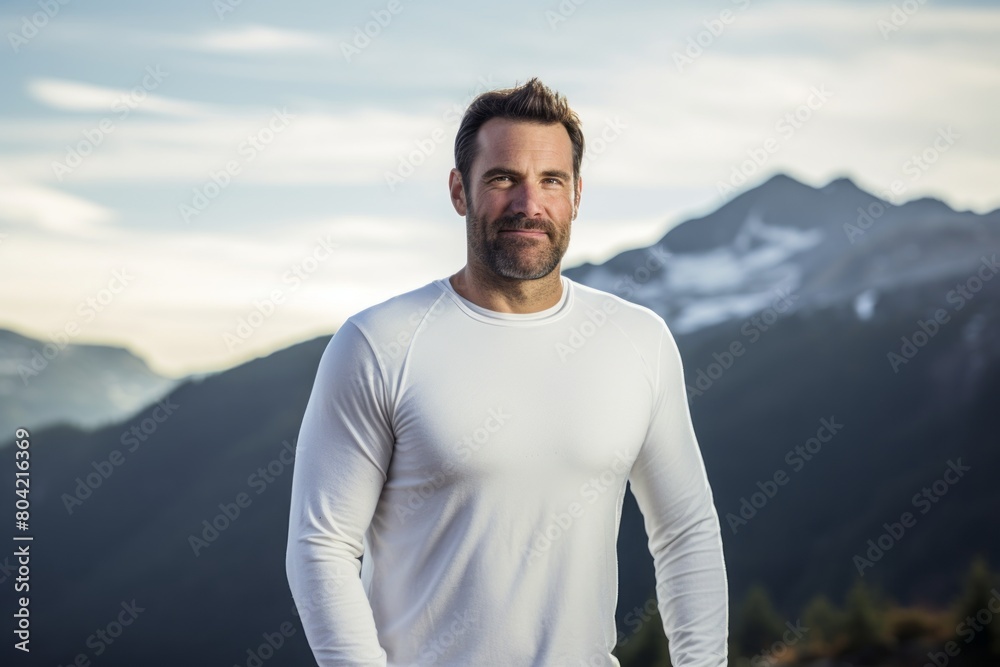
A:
x: 478, y: 461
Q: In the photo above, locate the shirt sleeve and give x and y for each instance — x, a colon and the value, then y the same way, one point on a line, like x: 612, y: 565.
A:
x: 342, y: 457
x: 671, y: 487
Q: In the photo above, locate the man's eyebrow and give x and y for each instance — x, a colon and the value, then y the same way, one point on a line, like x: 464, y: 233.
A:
x: 507, y: 171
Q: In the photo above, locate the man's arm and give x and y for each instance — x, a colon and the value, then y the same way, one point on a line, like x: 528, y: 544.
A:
x: 672, y: 490
x: 341, y: 462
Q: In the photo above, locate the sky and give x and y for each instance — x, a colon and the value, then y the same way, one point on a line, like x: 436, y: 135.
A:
x: 207, y: 182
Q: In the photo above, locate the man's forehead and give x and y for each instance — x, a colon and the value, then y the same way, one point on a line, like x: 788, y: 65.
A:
x: 505, y: 139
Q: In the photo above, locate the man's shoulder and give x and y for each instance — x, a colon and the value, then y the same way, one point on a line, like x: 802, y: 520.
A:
x: 631, y: 317
x: 399, y: 314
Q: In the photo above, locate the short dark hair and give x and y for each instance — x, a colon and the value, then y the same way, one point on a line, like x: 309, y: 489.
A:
x: 532, y: 102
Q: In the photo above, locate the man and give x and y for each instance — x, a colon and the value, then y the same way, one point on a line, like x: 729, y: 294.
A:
x: 472, y: 440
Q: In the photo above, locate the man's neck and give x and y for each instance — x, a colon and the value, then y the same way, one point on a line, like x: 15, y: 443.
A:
x: 506, y: 295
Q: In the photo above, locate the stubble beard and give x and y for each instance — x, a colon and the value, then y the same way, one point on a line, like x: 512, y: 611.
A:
x: 514, y: 257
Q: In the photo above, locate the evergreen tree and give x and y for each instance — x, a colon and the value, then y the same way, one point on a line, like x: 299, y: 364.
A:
x: 825, y: 623
x: 977, y: 626
x: 759, y: 626
x: 864, y: 620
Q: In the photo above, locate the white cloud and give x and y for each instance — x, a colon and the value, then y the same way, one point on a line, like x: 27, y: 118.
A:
x: 838, y: 20
x: 49, y: 209
x: 255, y: 39
x: 78, y: 96
x: 347, y: 148
x: 190, y: 288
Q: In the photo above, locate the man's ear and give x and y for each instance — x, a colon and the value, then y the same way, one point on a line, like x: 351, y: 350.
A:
x: 457, y: 190
x: 576, y: 196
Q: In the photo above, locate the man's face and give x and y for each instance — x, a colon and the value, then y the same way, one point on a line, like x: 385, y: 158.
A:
x: 521, y: 199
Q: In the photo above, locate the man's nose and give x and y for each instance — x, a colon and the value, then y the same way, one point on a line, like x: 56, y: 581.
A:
x: 527, y: 200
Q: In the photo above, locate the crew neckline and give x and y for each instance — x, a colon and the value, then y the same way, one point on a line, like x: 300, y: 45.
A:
x: 516, y: 319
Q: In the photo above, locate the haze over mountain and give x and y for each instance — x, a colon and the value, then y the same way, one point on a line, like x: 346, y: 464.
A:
x: 45, y: 382
x: 814, y: 436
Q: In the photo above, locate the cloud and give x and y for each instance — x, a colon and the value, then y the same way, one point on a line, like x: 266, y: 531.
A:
x: 189, y: 288
x: 50, y: 209
x: 78, y: 96
x: 837, y: 20
x: 255, y: 39
x: 347, y: 148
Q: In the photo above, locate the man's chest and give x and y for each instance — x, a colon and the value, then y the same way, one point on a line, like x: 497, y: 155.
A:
x: 518, y: 406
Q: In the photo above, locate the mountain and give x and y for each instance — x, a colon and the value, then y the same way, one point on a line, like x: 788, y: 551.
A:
x: 815, y: 438
x: 791, y: 308
x: 117, y: 513
x: 44, y: 383
x: 826, y: 246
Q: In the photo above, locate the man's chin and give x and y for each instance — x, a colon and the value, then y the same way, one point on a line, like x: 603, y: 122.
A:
x: 523, y: 276
x: 524, y: 271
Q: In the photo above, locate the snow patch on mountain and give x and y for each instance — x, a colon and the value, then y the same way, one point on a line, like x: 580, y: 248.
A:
x: 743, y: 277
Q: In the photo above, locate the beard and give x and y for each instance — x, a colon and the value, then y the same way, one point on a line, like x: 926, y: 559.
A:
x: 514, y: 257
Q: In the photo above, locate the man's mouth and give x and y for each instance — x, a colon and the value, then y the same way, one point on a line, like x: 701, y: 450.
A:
x: 525, y: 233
